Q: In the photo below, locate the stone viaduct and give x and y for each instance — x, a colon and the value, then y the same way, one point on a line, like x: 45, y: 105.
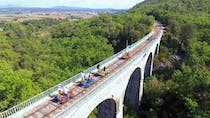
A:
x: 122, y: 86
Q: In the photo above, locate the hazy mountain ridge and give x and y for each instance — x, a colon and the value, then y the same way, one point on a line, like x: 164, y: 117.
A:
x: 11, y: 8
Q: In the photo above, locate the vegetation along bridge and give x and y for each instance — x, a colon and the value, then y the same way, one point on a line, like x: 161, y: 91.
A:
x: 120, y: 84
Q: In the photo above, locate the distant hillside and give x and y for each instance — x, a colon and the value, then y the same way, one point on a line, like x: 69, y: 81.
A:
x: 109, y: 10
x: 57, y: 9
x: 177, y: 6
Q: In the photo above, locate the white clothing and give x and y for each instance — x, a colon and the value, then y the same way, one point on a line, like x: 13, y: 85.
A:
x: 83, y: 76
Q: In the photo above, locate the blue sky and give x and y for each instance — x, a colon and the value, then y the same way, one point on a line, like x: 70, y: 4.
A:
x: 118, y: 4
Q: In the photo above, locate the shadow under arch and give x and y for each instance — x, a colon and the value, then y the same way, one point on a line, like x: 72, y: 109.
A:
x: 148, y: 67
x: 132, y: 92
x: 106, y: 109
x: 156, y: 49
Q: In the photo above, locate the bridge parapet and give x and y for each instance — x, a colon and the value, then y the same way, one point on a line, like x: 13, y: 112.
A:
x: 134, y: 45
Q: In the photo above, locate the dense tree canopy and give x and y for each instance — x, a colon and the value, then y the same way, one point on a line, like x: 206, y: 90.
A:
x: 181, y: 89
x: 38, y: 54
x: 31, y: 63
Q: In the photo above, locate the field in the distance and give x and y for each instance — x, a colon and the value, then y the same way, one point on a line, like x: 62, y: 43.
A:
x: 22, y: 14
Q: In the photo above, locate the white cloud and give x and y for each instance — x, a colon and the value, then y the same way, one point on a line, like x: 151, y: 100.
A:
x: 75, y: 3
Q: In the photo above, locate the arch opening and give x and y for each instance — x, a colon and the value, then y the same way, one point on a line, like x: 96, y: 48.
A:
x: 106, y: 109
x: 157, y: 50
x: 132, y: 92
x: 148, y: 67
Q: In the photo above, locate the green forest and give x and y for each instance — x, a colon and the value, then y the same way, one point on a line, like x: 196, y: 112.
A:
x: 38, y: 54
x: 181, y: 87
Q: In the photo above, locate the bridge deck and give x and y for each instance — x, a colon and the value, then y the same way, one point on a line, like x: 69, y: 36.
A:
x: 48, y: 109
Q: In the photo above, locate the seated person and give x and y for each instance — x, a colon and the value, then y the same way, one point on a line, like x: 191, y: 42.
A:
x: 62, y: 96
x: 83, y: 76
x: 125, y: 55
x: 88, y: 81
x: 57, y: 97
x: 101, y: 72
x: 89, y: 76
x: 65, y: 92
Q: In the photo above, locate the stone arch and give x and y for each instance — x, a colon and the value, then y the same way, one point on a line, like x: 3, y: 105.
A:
x: 132, y: 92
x: 148, y: 66
x: 157, y: 50
x: 106, y: 109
